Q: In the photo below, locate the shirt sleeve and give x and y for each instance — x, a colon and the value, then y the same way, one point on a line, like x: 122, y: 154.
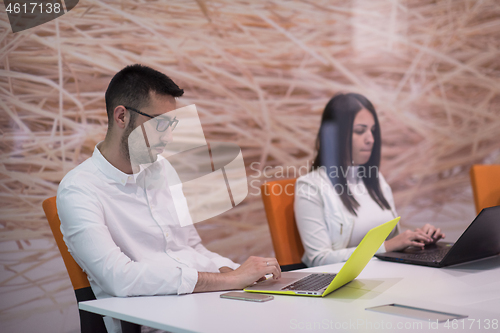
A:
x: 387, y: 191
x: 313, y: 230
x: 182, y: 208
x: 91, y: 245
x: 218, y: 260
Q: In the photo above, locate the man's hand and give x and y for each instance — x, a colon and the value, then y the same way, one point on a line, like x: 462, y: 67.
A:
x: 251, y: 271
x: 225, y: 269
x: 256, y: 268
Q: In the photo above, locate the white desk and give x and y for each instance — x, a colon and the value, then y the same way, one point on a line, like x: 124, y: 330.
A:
x: 471, y: 289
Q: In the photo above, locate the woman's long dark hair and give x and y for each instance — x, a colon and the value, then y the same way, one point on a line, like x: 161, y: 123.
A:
x: 342, y: 109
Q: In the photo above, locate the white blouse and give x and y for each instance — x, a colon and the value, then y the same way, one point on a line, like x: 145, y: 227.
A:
x: 329, y: 232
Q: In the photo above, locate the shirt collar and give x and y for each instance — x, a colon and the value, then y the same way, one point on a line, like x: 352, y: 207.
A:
x: 109, y: 170
x: 352, y: 174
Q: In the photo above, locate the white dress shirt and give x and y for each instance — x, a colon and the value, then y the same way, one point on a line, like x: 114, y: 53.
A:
x: 124, y: 232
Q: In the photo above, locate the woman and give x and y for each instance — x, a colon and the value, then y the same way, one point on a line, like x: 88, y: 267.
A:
x: 336, y: 205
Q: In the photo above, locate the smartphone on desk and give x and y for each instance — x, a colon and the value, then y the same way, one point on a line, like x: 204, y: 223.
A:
x: 252, y: 297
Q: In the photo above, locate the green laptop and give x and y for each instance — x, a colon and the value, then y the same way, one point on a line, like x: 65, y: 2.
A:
x: 321, y: 284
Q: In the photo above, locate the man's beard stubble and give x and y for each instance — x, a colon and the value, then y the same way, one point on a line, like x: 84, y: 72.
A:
x: 135, y: 149
x: 124, y: 147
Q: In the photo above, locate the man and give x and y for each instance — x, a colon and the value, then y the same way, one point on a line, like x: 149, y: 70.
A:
x: 118, y: 230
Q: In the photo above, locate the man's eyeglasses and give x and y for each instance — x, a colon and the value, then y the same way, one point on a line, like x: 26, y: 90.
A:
x: 162, y: 123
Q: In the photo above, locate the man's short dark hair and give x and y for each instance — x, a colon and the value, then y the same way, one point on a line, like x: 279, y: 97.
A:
x: 132, y: 87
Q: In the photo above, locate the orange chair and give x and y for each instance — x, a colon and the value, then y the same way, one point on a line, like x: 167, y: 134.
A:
x: 485, y: 181
x: 89, y: 322
x: 278, y: 199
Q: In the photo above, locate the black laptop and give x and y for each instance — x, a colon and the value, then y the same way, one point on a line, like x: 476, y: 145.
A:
x: 480, y: 240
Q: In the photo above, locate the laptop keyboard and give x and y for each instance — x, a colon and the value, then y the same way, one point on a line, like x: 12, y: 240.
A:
x: 436, y: 255
x: 312, y: 282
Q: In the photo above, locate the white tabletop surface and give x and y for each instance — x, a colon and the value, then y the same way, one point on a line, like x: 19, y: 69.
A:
x: 471, y: 289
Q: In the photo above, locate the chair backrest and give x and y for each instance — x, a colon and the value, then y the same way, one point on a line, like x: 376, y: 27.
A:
x: 278, y: 199
x: 89, y: 322
x: 76, y: 274
x: 485, y: 181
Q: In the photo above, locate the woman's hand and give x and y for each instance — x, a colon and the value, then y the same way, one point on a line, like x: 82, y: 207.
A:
x: 432, y: 232
x: 420, y: 237
x: 416, y: 238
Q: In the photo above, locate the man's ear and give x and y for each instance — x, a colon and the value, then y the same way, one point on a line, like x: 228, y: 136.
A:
x: 120, y: 116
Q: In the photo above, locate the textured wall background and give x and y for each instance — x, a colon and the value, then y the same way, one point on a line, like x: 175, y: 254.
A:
x: 260, y: 73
